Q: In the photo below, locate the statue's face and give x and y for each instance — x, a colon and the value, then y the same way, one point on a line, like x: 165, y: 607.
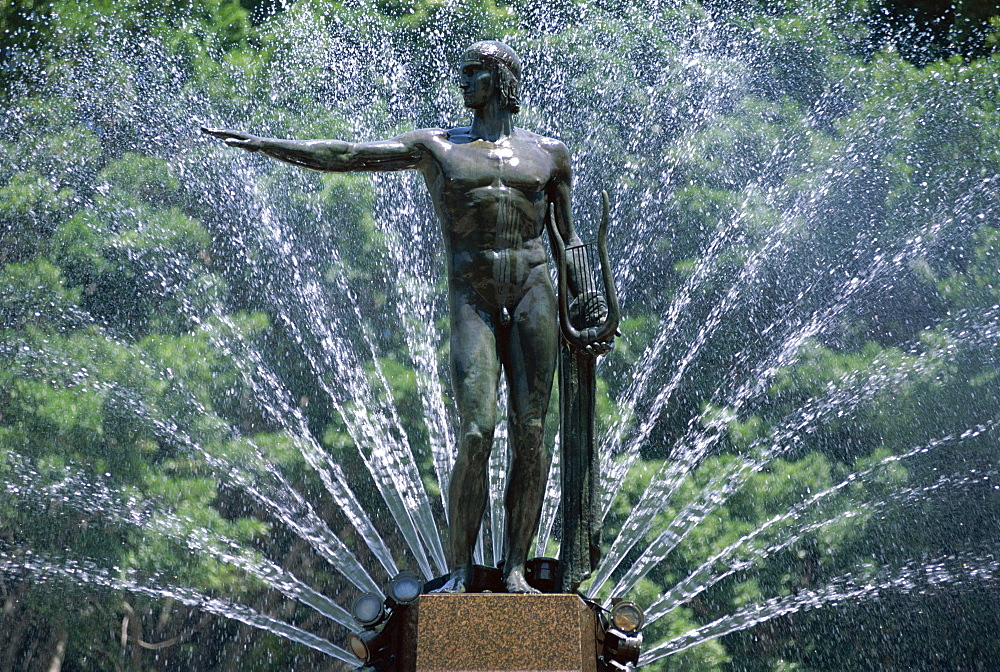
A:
x: 476, y: 82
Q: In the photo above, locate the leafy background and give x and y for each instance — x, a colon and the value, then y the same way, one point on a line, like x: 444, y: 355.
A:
x: 130, y: 275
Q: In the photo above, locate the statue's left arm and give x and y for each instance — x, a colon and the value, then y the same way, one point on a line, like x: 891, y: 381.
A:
x: 559, y: 190
x: 578, y: 269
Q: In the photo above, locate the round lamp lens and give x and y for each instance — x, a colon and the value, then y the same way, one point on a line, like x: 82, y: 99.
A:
x: 368, y: 609
x: 406, y: 588
x: 358, y: 647
x: 627, y: 617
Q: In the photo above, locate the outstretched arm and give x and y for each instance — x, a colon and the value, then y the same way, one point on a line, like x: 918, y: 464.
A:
x: 336, y: 156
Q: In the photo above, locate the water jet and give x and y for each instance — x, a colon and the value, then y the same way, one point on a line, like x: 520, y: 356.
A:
x: 225, y: 395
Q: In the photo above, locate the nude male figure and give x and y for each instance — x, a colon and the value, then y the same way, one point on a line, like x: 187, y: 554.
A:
x: 492, y: 185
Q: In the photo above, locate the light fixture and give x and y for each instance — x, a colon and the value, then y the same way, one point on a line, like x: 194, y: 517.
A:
x: 621, y: 647
x: 359, y: 643
x: 485, y: 579
x: 405, y: 588
x: 544, y: 574
x: 368, y: 610
x: 373, y: 647
x: 627, y: 617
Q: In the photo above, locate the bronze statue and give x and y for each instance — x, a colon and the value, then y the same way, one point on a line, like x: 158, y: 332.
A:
x: 492, y: 185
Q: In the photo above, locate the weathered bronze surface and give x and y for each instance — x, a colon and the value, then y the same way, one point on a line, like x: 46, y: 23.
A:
x: 493, y: 187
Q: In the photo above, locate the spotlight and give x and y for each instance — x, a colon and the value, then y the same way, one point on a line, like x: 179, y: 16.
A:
x: 363, y: 644
x: 405, y: 588
x: 627, y: 617
x: 486, y: 579
x: 621, y: 648
x: 544, y: 574
x: 375, y: 648
x: 368, y: 610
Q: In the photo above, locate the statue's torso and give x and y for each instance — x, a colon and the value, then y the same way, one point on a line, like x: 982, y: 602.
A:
x: 491, y: 200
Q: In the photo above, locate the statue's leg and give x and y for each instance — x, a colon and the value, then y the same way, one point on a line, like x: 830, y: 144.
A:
x: 529, y: 358
x: 475, y: 375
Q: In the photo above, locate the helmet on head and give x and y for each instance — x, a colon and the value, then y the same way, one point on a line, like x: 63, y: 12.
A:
x: 505, y: 66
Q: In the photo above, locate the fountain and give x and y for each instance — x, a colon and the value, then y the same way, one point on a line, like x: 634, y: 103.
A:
x: 225, y: 409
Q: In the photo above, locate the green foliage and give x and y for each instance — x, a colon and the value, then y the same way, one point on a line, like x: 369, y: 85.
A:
x: 125, y: 292
x: 29, y: 209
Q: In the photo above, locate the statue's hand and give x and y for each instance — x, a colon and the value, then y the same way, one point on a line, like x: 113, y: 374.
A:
x: 246, y: 141
x: 590, y: 310
x: 601, y: 347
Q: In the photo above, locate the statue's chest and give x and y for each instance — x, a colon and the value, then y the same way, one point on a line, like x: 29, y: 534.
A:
x: 479, y: 165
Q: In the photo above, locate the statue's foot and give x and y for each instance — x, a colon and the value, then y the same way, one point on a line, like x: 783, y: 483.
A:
x: 456, y: 583
x: 516, y: 583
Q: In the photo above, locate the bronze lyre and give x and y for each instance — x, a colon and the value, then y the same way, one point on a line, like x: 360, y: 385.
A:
x: 580, y: 464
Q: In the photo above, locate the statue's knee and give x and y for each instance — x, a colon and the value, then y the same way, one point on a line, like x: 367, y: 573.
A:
x: 532, y: 431
x: 476, y: 443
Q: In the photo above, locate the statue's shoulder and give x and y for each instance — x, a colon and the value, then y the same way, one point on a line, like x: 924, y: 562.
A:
x: 553, y: 147
x: 423, y: 136
x: 556, y: 149
x: 543, y: 141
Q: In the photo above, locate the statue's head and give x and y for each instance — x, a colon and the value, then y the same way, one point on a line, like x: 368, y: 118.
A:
x: 504, y: 66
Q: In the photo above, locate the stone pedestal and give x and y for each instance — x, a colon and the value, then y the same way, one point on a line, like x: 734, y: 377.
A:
x: 485, y: 632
